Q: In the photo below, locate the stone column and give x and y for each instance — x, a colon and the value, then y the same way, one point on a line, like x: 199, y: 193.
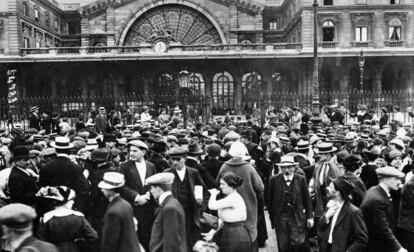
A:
x: 233, y: 24
x: 85, y: 32
x: 259, y: 28
x: 110, y: 26
x: 307, y: 29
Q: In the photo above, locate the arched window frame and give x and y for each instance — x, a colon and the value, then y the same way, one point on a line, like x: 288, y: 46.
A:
x: 197, y: 84
x: 223, y: 90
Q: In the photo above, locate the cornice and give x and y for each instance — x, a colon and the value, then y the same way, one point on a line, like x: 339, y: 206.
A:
x: 362, y: 8
x: 49, y: 5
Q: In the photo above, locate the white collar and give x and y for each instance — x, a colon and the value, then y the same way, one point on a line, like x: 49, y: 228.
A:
x: 60, y: 212
x: 192, y: 158
x: 63, y: 155
x: 163, y: 196
x: 289, y: 177
x: 385, y: 189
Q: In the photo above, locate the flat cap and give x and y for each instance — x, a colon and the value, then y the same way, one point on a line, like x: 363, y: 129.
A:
x: 171, y: 138
x: 389, y: 171
x: 17, y: 216
x: 138, y: 143
x: 177, y: 152
x: 163, y: 178
x: 47, y: 152
x: 213, y: 150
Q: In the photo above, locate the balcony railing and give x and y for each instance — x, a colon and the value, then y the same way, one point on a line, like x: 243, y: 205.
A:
x: 395, y: 43
x: 148, y: 48
x: 361, y: 44
x: 328, y: 44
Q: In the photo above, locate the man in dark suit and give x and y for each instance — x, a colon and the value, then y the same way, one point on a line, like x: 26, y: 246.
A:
x: 213, y: 165
x: 343, y: 222
x: 119, y: 224
x: 16, y: 220
x: 193, y: 161
x: 22, y: 180
x: 405, y: 223
x: 377, y: 208
x: 290, y: 207
x: 34, y: 118
x: 136, y: 170
x: 62, y: 171
x: 158, y: 155
x: 183, y: 188
x: 168, y: 232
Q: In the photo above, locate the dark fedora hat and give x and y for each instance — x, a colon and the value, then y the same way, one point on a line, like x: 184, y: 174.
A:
x: 160, y: 146
x: 194, y: 148
x: 343, y: 185
x: 21, y: 152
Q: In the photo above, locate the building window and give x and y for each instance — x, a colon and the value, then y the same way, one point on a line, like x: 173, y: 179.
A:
x: 223, y: 92
x: 26, y: 42
x: 328, y: 31
x: 47, y: 20
x: 273, y: 24
x: 327, y: 2
x: 25, y: 9
x: 37, y: 44
x: 196, y: 84
x: 251, y: 88
x: 56, y: 25
x: 394, y: 29
x: 36, y: 11
x: 395, y: 2
x: 361, y: 34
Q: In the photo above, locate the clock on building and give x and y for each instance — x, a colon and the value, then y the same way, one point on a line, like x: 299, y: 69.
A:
x: 160, y: 46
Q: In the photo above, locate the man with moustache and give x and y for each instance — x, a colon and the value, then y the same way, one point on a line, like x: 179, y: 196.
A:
x: 136, y: 170
x: 186, y: 179
x: 343, y: 224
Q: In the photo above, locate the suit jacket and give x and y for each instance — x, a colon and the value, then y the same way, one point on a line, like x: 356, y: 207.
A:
x: 118, y: 231
x: 302, y: 201
x: 22, y: 186
x: 133, y: 187
x: 168, y: 232
x: 32, y: 244
x: 406, y: 216
x: 62, y: 171
x: 205, y: 175
x: 331, y: 175
x: 379, y: 218
x: 194, y: 178
x: 213, y: 166
x: 349, y: 234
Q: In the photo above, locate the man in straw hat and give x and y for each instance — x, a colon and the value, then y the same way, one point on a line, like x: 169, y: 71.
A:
x: 343, y: 222
x: 377, y: 208
x: 290, y: 207
x: 169, y: 229
x: 136, y: 170
x: 17, y: 227
x: 34, y: 118
x: 62, y: 171
x: 119, y: 224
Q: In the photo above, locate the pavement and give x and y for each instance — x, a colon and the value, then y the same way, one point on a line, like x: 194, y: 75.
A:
x: 271, y: 243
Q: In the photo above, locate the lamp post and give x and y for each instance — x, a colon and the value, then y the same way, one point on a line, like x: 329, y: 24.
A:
x: 361, y: 63
x: 315, y: 77
x: 184, y: 82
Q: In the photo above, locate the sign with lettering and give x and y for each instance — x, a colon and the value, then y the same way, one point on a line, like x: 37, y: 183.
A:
x: 11, y: 83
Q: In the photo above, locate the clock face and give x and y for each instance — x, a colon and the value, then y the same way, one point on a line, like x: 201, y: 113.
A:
x: 160, y: 47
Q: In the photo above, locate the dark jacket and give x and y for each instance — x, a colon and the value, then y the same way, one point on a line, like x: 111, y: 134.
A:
x: 406, y: 216
x: 379, y: 218
x: 349, y: 234
x: 32, y: 244
x: 22, y: 187
x: 168, y: 232
x: 359, y: 188
x: 62, y: 171
x: 209, y: 181
x: 118, y: 232
x: 302, y: 201
x: 159, y: 161
x: 194, y: 178
x: 213, y: 166
x: 34, y: 121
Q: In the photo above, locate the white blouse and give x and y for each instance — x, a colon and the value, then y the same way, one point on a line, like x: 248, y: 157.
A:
x: 230, y: 209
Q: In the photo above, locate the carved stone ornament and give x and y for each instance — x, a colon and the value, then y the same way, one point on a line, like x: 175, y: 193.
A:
x: 366, y: 18
x: 335, y: 17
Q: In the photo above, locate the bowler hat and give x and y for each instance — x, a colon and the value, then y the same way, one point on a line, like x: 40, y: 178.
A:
x: 160, y: 146
x: 194, y: 148
x: 343, y: 185
x: 21, y: 152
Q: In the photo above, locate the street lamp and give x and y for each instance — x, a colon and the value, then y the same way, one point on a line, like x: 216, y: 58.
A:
x: 361, y: 63
x: 315, y: 77
x: 184, y: 84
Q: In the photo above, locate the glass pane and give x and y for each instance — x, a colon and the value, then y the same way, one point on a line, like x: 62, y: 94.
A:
x: 364, y: 33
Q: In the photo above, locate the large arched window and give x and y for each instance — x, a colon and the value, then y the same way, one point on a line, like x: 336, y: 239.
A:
x: 328, y: 31
x: 196, y: 84
x: 251, y: 88
x: 223, y: 90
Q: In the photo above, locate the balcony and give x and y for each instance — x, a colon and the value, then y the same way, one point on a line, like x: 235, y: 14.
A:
x: 147, y: 49
x: 395, y: 43
x: 328, y: 44
x: 361, y: 44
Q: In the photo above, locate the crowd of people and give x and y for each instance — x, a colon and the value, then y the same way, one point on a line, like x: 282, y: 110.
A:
x: 156, y: 186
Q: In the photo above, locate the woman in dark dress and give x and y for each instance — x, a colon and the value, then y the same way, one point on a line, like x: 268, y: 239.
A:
x: 64, y: 227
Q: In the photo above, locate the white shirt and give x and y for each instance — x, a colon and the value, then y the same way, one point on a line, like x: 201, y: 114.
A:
x: 334, y: 219
x: 230, y: 209
x: 142, y: 170
x: 163, y: 196
x: 324, y: 172
x: 181, y: 174
x: 145, y: 117
x: 4, y: 183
